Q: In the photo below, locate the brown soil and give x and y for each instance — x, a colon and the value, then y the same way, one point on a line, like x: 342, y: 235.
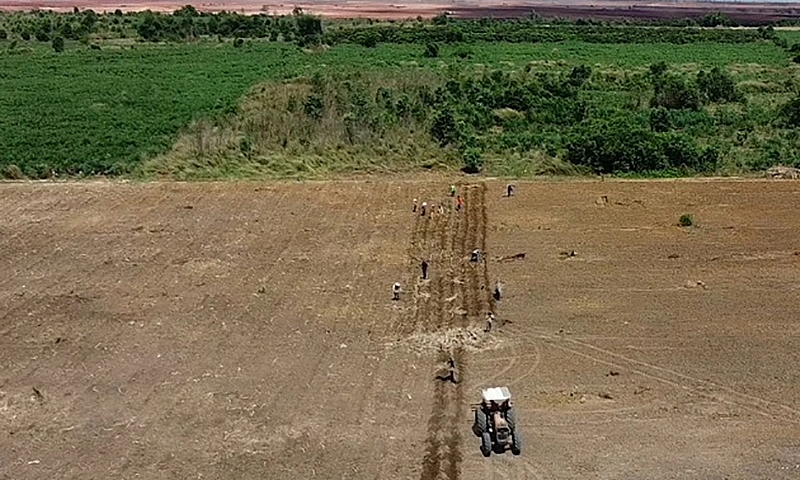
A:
x: 246, y: 330
x: 750, y: 13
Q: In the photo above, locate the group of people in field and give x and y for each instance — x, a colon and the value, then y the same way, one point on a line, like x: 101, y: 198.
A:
x: 476, y: 256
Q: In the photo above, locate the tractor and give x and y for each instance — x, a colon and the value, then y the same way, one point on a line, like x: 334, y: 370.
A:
x: 496, y: 423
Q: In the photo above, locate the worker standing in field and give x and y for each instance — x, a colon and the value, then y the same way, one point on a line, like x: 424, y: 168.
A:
x: 459, y: 203
x: 452, y: 190
x: 489, y: 322
x: 475, y: 257
x: 424, y: 270
x: 510, y: 190
x: 414, y: 208
x: 424, y: 207
x: 497, y: 294
x: 396, y: 288
x: 451, y: 370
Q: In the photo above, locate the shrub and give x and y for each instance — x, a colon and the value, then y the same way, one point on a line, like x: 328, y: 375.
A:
x: 660, y: 120
x: 790, y: 112
x: 431, y: 50
x: 579, y: 75
x: 3, y: 34
x: 444, y: 128
x: 313, y: 106
x: 674, y: 93
x: 685, y: 220
x: 473, y: 160
x: 12, y: 172
x: 613, y: 148
x: 58, y: 44
x: 238, y: 43
x: 309, y: 29
x: 717, y: 86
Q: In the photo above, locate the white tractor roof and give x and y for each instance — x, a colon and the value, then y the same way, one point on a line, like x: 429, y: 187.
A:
x: 496, y: 394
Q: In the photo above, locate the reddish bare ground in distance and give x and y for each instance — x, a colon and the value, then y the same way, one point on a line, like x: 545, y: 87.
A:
x: 247, y: 330
x: 602, y: 9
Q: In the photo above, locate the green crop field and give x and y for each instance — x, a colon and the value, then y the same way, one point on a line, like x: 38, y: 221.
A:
x: 214, y: 107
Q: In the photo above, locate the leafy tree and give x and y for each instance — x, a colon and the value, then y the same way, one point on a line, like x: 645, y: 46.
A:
x: 25, y: 35
x: 660, y: 120
x: 717, y: 86
x: 3, y: 34
x: 473, y: 160
x: 367, y: 38
x: 309, y: 29
x: 313, y: 106
x: 579, y: 75
x: 717, y: 19
x: 610, y: 147
x: 790, y: 112
x: 58, y: 44
x: 444, y: 128
x: 440, y: 19
x: 674, y: 93
x: 657, y: 71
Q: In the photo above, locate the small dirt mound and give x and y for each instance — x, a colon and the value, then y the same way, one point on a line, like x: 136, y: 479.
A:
x: 471, y: 338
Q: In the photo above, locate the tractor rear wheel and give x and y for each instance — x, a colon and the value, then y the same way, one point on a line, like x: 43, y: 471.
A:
x: 479, y: 427
x: 486, y: 444
x: 516, y: 445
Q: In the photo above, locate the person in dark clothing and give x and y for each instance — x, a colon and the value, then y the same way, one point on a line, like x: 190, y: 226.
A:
x: 424, y: 269
x: 451, y: 372
x: 510, y: 190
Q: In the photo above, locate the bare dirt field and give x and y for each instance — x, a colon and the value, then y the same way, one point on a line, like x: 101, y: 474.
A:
x: 246, y: 330
x: 743, y: 13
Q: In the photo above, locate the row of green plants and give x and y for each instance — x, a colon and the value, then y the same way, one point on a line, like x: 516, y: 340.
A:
x: 187, y: 23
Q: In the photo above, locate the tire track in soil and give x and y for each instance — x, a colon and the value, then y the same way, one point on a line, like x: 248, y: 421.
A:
x: 447, y: 245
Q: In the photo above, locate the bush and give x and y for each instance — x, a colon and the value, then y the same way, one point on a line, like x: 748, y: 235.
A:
x: 615, y: 148
x: 660, y: 120
x: 12, y: 172
x: 674, y: 93
x: 473, y: 160
x: 790, y: 112
x: 238, y: 43
x: 685, y: 220
x: 3, y: 34
x: 314, y: 106
x: 431, y: 50
x: 444, y: 128
x: 717, y: 86
x: 579, y: 75
x: 309, y: 29
x: 58, y: 44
